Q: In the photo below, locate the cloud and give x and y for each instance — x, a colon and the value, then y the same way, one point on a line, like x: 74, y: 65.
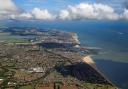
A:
x: 25, y: 16
x: 82, y: 11
x: 88, y: 11
x: 7, y: 5
x: 7, y: 8
x: 42, y: 14
x: 35, y: 14
x: 125, y: 14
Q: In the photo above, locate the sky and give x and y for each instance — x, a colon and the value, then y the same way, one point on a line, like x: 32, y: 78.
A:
x: 64, y: 9
x: 54, y: 5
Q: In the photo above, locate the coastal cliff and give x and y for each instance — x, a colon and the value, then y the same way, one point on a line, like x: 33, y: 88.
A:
x: 89, y: 61
x: 48, y: 57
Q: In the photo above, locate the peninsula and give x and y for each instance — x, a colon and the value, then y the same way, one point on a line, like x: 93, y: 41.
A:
x: 32, y: 58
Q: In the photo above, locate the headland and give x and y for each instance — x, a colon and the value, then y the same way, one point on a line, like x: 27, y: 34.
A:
x: 43, y: 58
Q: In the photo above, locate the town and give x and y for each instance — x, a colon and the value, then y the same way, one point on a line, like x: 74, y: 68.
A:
x: 46, y: 59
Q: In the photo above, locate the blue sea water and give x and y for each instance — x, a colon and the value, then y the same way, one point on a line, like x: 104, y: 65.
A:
x: 110, y: 36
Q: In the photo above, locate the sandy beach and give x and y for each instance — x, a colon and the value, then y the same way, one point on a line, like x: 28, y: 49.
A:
x: 87, y: 59
x: 90, y: 61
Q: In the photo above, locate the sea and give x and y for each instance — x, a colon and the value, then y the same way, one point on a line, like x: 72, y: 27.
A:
x: 110, y: 36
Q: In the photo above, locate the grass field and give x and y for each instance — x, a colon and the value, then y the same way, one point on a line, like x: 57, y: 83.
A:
x: 26, y: 87
x: 99, y: 86
x: 18, y: 40
x: 4, y: 33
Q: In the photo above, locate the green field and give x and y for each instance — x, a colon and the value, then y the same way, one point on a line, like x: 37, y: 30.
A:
x: 26, y: 87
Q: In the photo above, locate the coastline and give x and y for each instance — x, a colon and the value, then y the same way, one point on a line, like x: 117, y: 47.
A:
x: 87, y: 59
